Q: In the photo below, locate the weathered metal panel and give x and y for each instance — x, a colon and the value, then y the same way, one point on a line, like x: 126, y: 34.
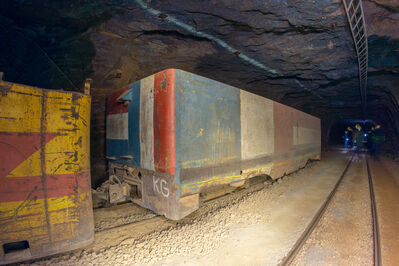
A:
x: 297, y: 139
x: 117, y: 126
x: 257, y: 132
x: 209, y: 128
x: 164, y: 122
x: 134, y: 153
x: 257, y: 127
x: 123, y: 144
x: 283, y: 122
x: 147, y: 123
x: 307, y: 133
x: 307, y: 130
x: 45, y: 194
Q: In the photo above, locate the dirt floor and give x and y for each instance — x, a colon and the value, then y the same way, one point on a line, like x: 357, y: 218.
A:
x: 257, y: 226
x: 344, y: 234
x: 386, y: 186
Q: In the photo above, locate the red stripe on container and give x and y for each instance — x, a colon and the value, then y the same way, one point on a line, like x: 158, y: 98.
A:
x: 29, y: 188
x: 164, y: 122
x: 115, y: 107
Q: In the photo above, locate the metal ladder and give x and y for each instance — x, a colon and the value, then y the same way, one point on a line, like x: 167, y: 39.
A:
x: 355, y: 15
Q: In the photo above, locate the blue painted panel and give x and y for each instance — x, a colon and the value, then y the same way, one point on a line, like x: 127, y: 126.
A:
x: 116, y: 148
x: 131, y: 146
x: 208, y: 130
x: 134, y: 123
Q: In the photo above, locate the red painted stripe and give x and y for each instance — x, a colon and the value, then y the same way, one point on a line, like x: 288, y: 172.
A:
x: 16, y: 147
x: 283, y: 123
x: 164, y: 122
x: 30, y: 187
x: 115, y: 107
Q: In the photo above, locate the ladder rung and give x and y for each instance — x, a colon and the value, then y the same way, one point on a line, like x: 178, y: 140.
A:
x: 350, y: 3
x: 360, y: 45
x: 362, y: 55
x: 354, y: 13
x: 361, y: 52
x: 357, y: 23
x: 363, y: 69
x: 363, y: 60
x: 360, y: 40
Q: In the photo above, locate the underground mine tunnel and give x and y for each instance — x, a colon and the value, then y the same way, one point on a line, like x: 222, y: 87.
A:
x: 199, y: 132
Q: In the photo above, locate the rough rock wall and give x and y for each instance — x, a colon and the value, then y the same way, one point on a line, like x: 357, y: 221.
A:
x: 297, y: 52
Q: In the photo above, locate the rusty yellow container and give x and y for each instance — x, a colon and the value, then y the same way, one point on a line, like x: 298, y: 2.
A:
x: 45, y: 198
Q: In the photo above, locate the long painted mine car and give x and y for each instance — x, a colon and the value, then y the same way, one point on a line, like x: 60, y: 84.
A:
x: 175, y: 134
x: 45, y: 198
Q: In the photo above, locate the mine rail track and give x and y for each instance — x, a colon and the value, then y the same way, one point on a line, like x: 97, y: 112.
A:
x: 376, y: 233
x: 288, y: 259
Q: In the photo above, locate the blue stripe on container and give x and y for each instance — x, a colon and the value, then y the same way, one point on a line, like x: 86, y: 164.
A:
x: 134, y: 124
x: 116, y: 148
x: 208, y: 118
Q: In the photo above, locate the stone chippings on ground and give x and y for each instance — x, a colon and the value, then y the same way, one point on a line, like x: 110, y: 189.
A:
x: 200, y: 233
x: 110, y: 223
x: 344, y: 233
x: 117, y: 215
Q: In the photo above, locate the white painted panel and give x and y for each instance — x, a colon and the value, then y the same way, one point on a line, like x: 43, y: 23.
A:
x: 257, y: 125
x: 303, y: 135
x: 117, y: 126
x: 147, y: 123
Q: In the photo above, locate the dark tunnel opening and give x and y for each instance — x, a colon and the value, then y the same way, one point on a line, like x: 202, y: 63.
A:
x: 338, y: 130
x: 342, y: 134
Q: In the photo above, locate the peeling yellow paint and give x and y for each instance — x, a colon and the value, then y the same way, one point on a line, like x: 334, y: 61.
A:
x: 244, y: 175
x: 50, y: 223
x: 205, y: 161
x: 259, y: 171
x: 282, y: 163
x: 211, y: 181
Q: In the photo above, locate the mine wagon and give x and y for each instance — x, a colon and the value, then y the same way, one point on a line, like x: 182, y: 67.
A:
x: 174, y: 135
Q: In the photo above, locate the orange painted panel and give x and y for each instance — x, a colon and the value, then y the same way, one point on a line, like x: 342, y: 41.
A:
x: 283, y: 124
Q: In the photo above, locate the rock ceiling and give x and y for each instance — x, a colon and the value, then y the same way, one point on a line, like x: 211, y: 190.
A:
x: 299, y: 53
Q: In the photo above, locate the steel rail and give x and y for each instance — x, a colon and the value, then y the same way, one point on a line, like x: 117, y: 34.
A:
x: 287, y: 260
x: 376, y: 232
x: 354, y: 13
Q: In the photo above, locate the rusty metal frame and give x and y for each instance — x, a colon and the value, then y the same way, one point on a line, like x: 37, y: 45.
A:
x: 355, y: 15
